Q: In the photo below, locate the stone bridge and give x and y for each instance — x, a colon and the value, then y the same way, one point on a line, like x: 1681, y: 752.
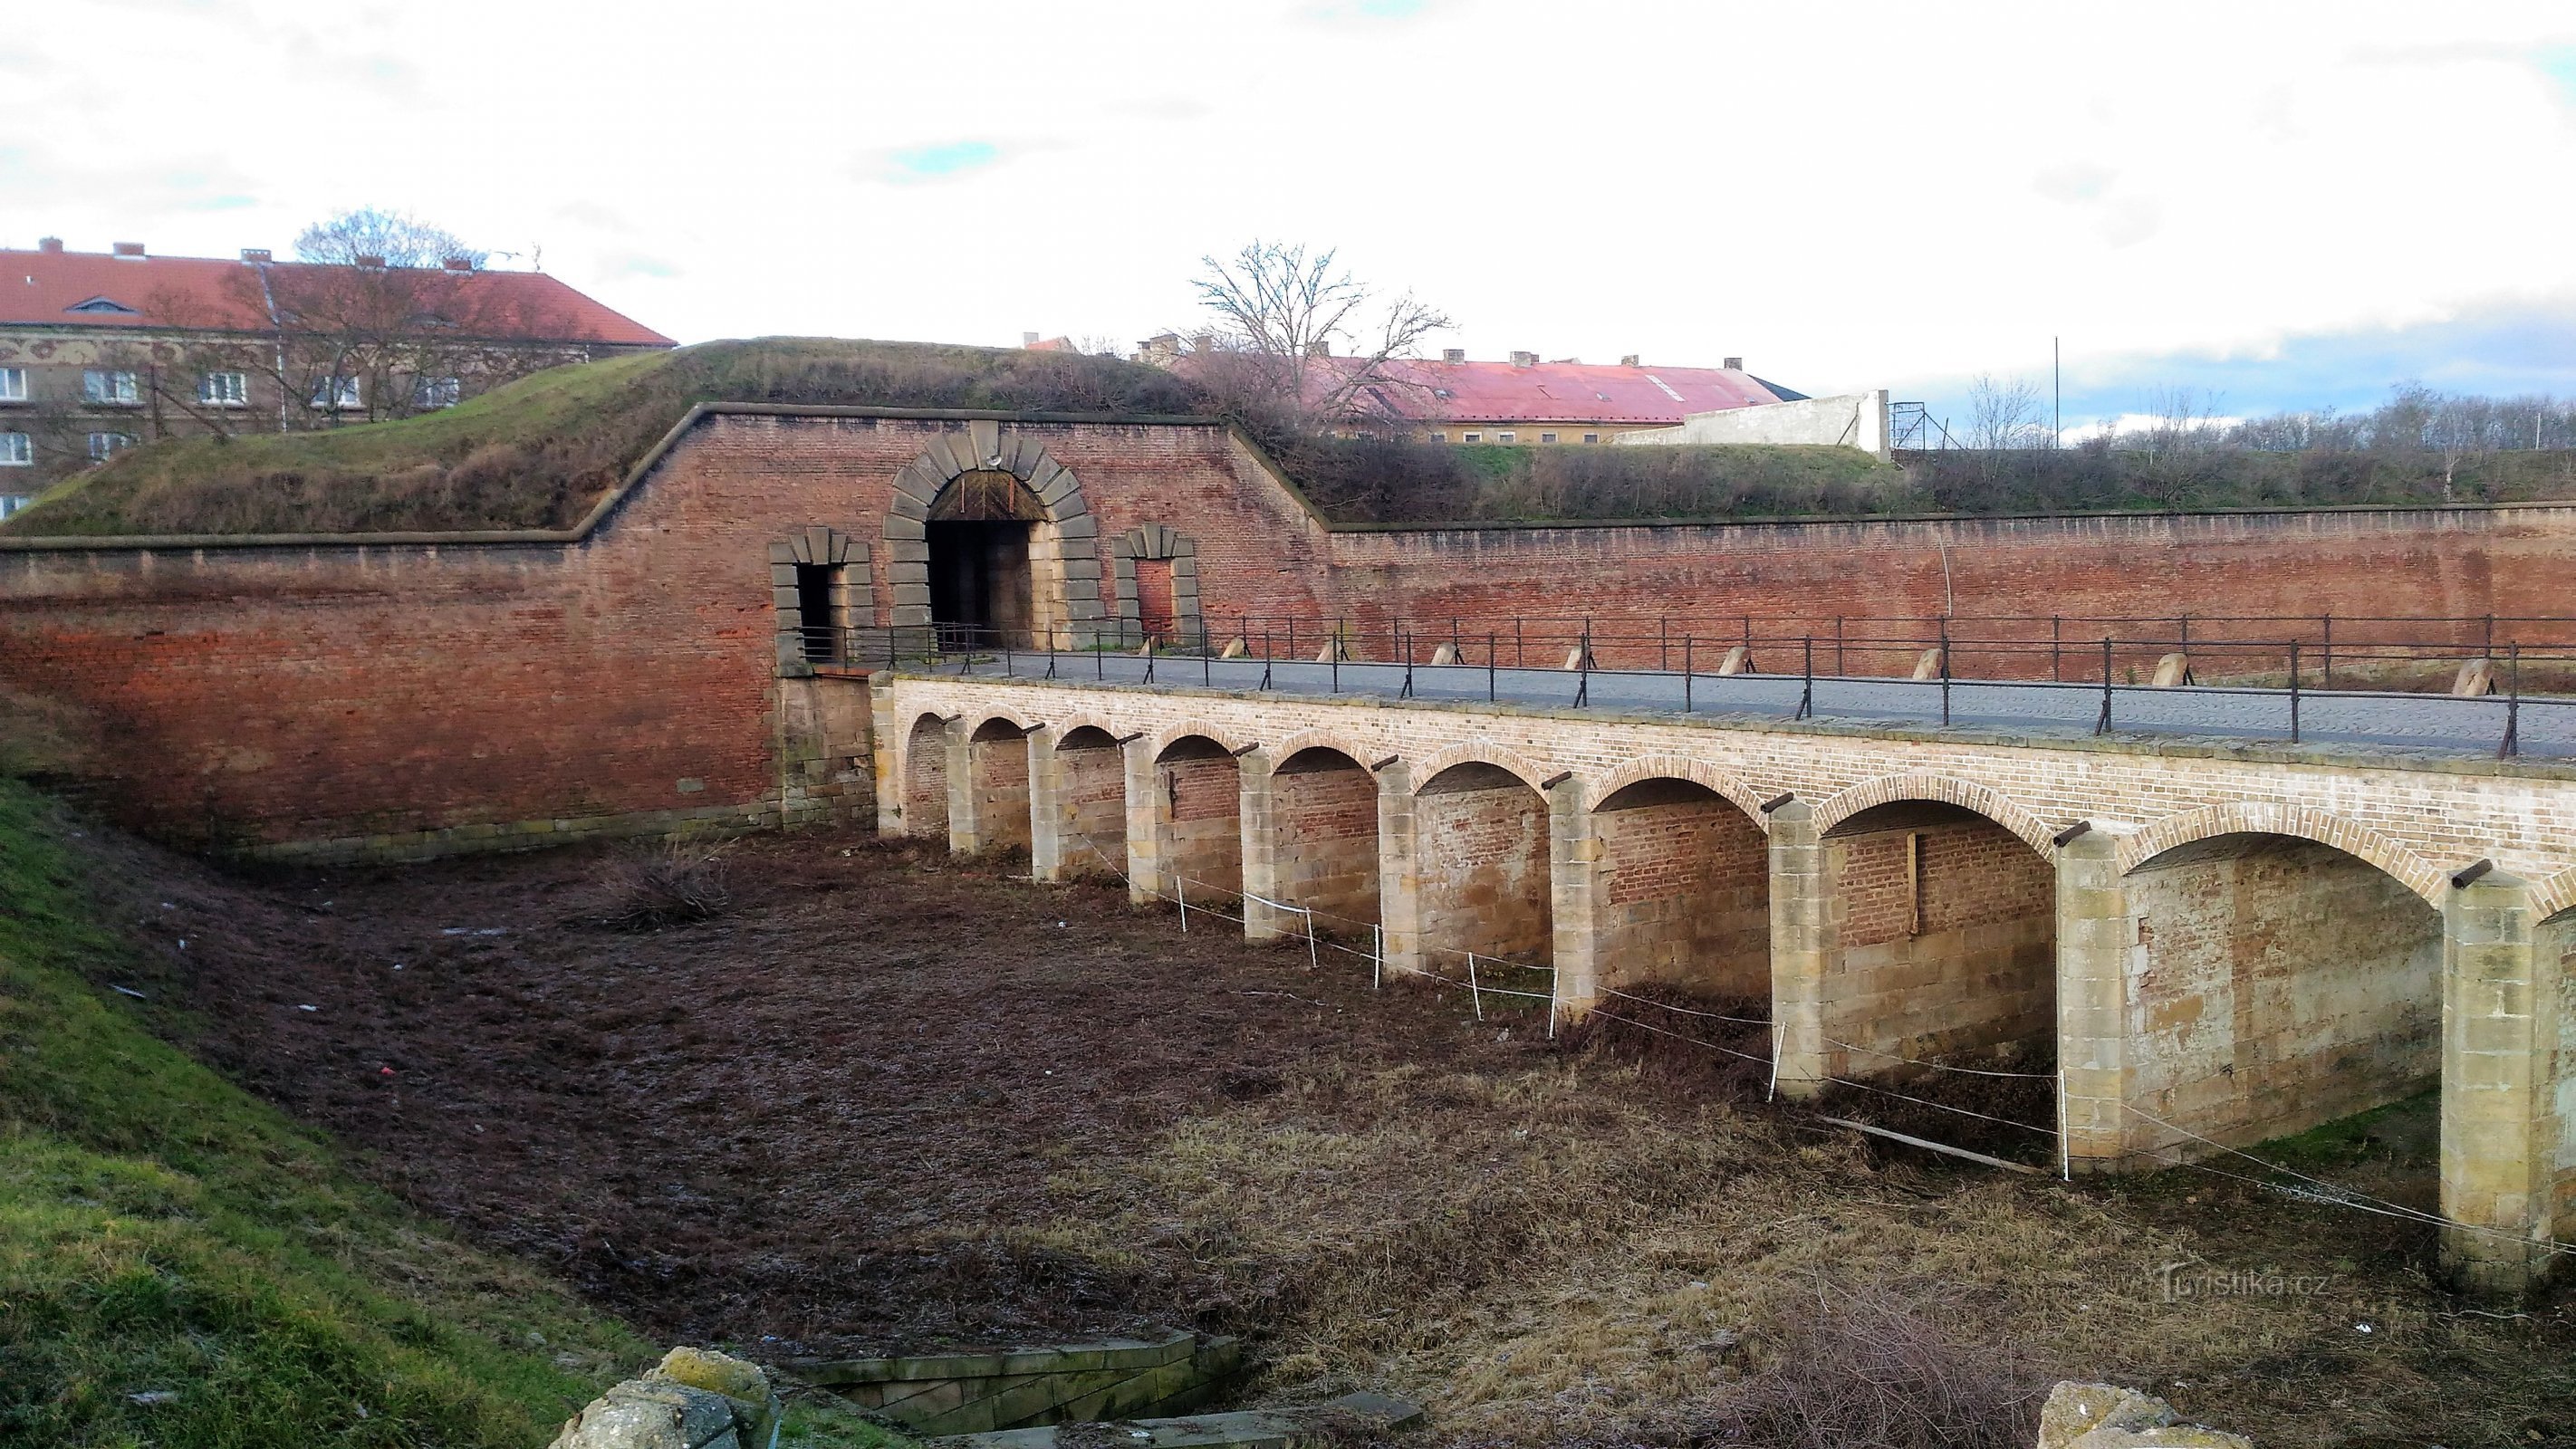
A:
x: 2209, y: 945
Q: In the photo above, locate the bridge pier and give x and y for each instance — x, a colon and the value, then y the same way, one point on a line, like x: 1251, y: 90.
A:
x: 1399, y: 872
x: 1802, y: 940
x: 1262, y: 921
x: 1145, y: 880
x: 2096, y: 938
x: 1048, y: 825
x: 1574, y: 908
x: 2500, y: 1040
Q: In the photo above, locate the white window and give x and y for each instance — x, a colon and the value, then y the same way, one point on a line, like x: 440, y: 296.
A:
x: 12, y: 502
x: 110, y: 387
x: 103, y: 446
x: 223, y: 389
x: 436, y: 392
x: 1435, y: 437
x: 1547, y: 437
x: 336, y: 392
x: 1592, y: 437
x: 13, y: 384
x: 16, y: 451
x: 1507, y: 437
x: 1471, y: 437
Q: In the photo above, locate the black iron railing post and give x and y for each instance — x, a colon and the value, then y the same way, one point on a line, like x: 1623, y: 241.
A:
x: 2294, y: 691
x: 1407, y: 691
x: 2326, y: 665
x: 1686, y: 674
x: 1519, y: 643
x: 1292, y: 638
x: 1945, y: 671
x: 1664, y: 644
x: 1807, y: 693
x: 1490, y: 641
x: 1583, y: 661
x: 2102, y: 722
x: 2512, y: 743
x: 2056, y: 650
x: 1838, y: 647
x: 1265, y: 659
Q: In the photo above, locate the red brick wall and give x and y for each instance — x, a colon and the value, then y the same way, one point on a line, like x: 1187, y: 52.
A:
x: 1949, y: 955
x: 925, y: 787
x: 1326, y: 848
x: 2285, y: 984
x: 1483, y: 864
x: 1201, y: 812
x: 1001, y: 773
x: 392, y: 698
x: 1095, y: 804
x: 1688, y: 895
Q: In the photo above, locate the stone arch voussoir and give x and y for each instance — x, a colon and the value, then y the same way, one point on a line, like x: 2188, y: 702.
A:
x: 1681, y: 767
x: 2555, y: 894
x: 989, y: 716
x: 1084, y: 719
x: 985, y: 445
x: 1360, y: 752
x: 2243, y: 817
x: 1993, y: 804
x: 1164, y: 738
x: 1428, y: 769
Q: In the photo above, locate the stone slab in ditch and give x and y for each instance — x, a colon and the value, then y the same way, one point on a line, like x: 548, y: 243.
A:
x: 1247, y: 1429
x: 974, y: 1392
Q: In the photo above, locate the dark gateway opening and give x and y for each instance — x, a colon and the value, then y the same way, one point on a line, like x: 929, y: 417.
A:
x: 979, y: 534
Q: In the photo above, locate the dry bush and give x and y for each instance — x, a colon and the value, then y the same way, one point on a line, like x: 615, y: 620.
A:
x: 647, y: 886
x: 1871, y: 1367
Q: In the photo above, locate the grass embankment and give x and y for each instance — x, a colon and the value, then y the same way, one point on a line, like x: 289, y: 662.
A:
x: 539, y: 452
x: 181, y: 1265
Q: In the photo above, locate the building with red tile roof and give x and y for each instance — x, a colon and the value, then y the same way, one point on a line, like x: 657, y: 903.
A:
x: 103, y: 350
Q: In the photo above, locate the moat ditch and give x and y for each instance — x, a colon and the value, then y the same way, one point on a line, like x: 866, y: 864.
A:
x: 885, y: 1101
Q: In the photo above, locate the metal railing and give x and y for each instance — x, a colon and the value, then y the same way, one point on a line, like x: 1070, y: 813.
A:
x: 2289, y: 661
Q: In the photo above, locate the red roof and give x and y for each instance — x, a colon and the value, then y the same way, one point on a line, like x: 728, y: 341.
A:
x: 94, y: 289
x: 1566, y: 392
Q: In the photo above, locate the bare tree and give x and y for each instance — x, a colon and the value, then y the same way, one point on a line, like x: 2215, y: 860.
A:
x: 1298, y: 339
x: 2003, y: 415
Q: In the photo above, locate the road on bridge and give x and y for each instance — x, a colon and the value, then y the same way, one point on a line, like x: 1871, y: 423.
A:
x: 2436, y: 722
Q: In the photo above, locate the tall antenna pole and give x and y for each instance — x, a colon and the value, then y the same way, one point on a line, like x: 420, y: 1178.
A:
x: 2057, y: 393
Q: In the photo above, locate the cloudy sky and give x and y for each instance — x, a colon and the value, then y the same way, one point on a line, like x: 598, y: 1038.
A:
x: 2278, y: 204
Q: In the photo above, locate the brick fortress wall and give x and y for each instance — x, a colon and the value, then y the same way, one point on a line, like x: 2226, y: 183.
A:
x: 416, y: 697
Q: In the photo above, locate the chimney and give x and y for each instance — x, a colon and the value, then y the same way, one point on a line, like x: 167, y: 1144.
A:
x: 1524, y: 359
x: 1453, y: 354
x: 1735, y: 364
x: 130, y: 249
x: 49, y: 244
x: 457, y: 264
x: 1319, y: 348
x: 1028, y: 339
x: 1203, y: 342
x: 256, y: 254
x: 369, y: 261
x: 1630, y: 360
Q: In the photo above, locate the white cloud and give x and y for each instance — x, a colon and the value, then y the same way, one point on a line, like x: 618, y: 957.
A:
x: 1841, y: 195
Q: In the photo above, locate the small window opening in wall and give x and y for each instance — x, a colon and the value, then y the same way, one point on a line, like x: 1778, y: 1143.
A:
x: 814, y: 612
x: 1592, y: 437
x: 1508, y: 437
x: 1471, y: 437
x: 1547, y: 437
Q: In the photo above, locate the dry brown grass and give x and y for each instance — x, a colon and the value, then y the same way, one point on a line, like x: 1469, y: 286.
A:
x: 647, y: 885
x: 1576, y: 1255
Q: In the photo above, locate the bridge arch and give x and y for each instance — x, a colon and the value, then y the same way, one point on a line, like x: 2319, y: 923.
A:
x: 1089, y: 798
x: 1993, y: 804
x: 924, y: 778
x: 1322, y: 830
x: 2409, y: 869
x: 1195, y: 803
x: 997, y: 778
x: 2292, y: 966
x: 2552, y: 897
x: 1522, y: 768
x: 1681, y: 897
x: 1163, y: 739
x: 1944, y: 946
x: 1681, y: 767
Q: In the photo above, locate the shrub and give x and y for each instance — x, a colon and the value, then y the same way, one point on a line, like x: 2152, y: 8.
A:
x: 645, y: 887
